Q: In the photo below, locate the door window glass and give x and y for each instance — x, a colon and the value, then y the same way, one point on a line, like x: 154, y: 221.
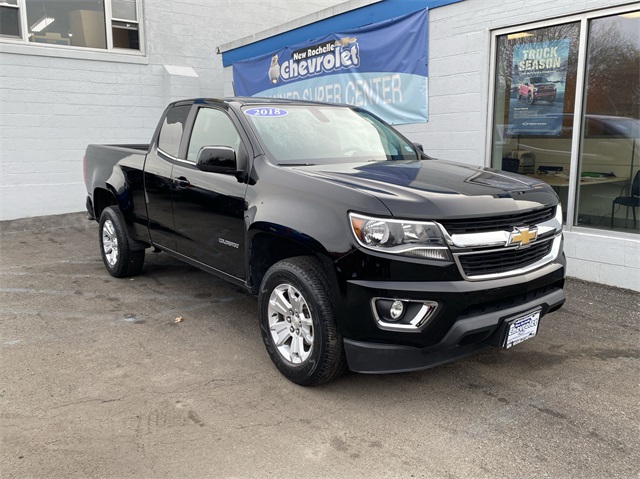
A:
x: 212, y: 128
x: 172, y: 128
x: 535, y: 87
x: 609, y: 187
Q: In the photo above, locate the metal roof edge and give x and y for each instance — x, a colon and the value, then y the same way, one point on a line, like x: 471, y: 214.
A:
x: 297, y: 23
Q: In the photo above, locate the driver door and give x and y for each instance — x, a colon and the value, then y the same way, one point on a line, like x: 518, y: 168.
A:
x: 208, y: 207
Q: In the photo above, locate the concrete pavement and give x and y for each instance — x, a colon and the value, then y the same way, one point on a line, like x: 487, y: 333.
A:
x: 98, y: 380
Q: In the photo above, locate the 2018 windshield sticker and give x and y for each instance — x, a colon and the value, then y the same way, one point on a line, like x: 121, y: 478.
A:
x: 266, y: 112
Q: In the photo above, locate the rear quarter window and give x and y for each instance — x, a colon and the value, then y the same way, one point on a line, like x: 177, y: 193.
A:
x: 172, y: 129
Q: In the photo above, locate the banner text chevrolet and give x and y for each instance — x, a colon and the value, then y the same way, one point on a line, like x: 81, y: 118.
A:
x: 364, y: 252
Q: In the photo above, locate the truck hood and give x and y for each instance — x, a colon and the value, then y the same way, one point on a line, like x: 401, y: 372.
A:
x: 434, y: 189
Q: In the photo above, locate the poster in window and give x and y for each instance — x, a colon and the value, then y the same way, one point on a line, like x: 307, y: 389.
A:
x: 538, y: 82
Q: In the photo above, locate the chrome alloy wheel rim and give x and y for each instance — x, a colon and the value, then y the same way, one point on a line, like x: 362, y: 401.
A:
x: 290, y: 324
x: 110, y: 242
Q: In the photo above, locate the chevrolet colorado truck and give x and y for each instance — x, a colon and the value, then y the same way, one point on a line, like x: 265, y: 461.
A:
x: 537, y: 88
x: 364, y: 252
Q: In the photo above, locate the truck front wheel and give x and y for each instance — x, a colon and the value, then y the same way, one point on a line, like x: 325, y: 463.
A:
x: 120, y: 260
x: 297, y: 322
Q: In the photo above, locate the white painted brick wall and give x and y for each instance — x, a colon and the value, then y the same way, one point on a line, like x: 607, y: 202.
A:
x: 52, y: 107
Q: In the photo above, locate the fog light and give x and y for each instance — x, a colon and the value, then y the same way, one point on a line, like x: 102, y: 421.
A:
x: 396, y: 310
x: 408, y: 315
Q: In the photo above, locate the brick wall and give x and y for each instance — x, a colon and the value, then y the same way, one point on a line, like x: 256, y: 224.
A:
x: 52, y: 106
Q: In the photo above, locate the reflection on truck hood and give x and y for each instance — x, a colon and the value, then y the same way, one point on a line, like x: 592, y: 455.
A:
x: 445, y: 189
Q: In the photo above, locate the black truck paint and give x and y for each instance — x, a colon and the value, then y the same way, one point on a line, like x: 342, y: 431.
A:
x: 260, y: 223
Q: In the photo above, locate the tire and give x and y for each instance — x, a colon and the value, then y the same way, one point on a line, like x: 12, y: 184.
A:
x: 305, y: 346
x: 120, y: 260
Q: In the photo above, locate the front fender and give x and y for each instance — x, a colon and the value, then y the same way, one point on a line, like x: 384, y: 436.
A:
x: 303, y: 240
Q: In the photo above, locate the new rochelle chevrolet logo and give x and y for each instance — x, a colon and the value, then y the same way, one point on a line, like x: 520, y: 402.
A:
x: 522, y: 236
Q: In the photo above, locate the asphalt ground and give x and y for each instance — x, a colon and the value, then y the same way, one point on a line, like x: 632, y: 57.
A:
x: 98, y: 380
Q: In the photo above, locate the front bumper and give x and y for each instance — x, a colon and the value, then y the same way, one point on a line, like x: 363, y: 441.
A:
x: 471, y: 315
x: 465, y: 337
x: 544, y: 94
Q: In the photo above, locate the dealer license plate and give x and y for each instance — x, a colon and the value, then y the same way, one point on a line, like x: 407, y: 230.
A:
x: 522, y: 328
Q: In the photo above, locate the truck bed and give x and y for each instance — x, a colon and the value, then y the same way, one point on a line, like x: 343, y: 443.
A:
x: 99, y: 162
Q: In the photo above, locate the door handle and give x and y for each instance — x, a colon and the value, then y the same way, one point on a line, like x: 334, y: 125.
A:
x: 181, y: 182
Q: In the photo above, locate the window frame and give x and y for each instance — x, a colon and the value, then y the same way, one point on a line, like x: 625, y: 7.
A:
x: 23, y: 39
x: 581, y: 77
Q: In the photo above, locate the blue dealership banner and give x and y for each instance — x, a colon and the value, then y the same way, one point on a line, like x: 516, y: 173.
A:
x: 381, y: 67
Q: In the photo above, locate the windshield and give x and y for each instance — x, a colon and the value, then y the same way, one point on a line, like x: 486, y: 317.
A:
x: 310, y: 134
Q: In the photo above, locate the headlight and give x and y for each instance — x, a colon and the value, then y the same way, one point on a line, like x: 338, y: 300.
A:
x: 408, y: 238
x: 559, y: 218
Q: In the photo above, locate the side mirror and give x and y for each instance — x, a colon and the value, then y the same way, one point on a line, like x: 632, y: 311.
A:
x: 217, y: 159
x: 419, y: 146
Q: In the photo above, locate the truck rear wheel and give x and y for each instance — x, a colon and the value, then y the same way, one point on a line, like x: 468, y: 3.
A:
x: 297, y: 322
x: 120, y: 260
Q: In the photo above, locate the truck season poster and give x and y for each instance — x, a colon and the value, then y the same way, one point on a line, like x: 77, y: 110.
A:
x: 381, y: 67
x: 538, y: 82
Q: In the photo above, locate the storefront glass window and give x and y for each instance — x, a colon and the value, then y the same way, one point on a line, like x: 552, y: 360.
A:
x: 535, y: 86
x: 609, y: 186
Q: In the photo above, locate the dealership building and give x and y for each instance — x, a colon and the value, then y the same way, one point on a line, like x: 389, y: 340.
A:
x: 549, y: 89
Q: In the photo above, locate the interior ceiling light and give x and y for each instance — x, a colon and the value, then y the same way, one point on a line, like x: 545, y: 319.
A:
x: 519, y: 35
x: 41, y: 24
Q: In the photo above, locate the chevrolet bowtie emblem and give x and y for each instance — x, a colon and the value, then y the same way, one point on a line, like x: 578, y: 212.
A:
x: 522, y: 236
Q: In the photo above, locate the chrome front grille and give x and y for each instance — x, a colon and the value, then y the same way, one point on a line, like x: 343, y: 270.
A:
x: 493, y: 262
x: 507, y: 245
x: 496, y: 223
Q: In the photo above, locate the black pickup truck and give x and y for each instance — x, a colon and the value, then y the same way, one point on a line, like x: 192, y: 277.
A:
x: 364, y: 252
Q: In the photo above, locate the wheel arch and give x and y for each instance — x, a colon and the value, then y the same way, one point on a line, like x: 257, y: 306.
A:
x: 268, y: 244
x: 105, y: 197
x: 102, y: 197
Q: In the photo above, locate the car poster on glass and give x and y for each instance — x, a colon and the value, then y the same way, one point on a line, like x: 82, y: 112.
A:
x: 538, y: 82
